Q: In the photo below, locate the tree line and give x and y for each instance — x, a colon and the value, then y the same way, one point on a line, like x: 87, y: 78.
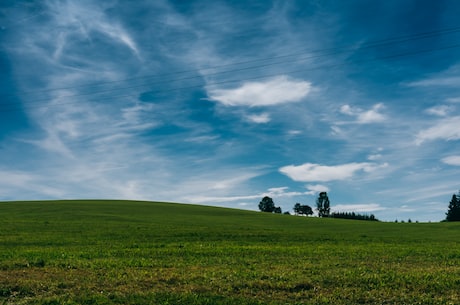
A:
x: 353, y: 215
x: 323, y: 206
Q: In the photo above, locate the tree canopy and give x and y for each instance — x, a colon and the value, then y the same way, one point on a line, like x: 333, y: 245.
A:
x: 267, y: 205
x: 453, y: 212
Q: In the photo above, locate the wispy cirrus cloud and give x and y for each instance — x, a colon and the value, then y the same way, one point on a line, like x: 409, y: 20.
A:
x: 447, y: 78
x: 439, y: 110
x: 85, y: 19
x: 274, y: 91
x: 360, y: 208
x: 445, y: 129
x: 21, y: 182
x: 310, y: 172
x: 447, y: 81
x: 276, y: 192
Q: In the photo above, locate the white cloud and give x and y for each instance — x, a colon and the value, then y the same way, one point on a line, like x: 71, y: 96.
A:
x: 294, y: 132
x: 277, y: 192
x: 365, y: 117
x: 259, y: 118
x: 446, y: 129
x: 440, y: 110
x: 317, y: 188
x: 406, y: 208
x: 451, y: 160
x: 346, y: 109
x: 310, y: 172
x: 274, y: 91
x: 374, y: 157
x: 361, y: 208
x: 453, y: 100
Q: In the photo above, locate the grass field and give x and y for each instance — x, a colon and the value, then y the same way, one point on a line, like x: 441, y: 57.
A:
x: 122, y: 252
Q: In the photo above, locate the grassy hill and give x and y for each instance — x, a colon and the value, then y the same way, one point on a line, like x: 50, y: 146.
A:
x: 126, y: 252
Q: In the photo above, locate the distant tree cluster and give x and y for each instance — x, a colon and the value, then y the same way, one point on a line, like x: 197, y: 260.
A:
x: 300, y: 209
x: 453, y: 211
x: 267, y: 205
x: 353, y: 215
x: 323, y: 206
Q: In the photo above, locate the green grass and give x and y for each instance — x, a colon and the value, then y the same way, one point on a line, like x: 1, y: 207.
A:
x: 123, y: 252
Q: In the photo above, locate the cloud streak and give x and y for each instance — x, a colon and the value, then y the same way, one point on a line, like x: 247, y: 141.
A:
x: 274, y: 91
x: 447, y: 129
x: 310, y: 172
x: 451, y: 160
x: 360, y: 208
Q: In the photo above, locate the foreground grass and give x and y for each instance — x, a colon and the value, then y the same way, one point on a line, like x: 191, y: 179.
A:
x: 118, y: 252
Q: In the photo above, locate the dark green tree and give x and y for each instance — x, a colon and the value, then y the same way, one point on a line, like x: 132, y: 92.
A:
x: 300, y: 209
x: 267, y: 205
x: 277, y: 210
x: 453, y: 212
x: 323, y: 205
x: 296, y: 208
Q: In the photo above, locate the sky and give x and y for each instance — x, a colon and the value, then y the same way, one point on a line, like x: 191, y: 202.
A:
x: 224, y: 102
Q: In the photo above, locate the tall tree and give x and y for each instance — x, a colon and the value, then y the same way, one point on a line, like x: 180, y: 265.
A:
x: 323, y: 205
x: 267, y: 205
x: 453, y: 212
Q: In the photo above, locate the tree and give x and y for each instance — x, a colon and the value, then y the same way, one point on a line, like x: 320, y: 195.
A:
x: 302, y: 209
x: 453, y: 212
x: 296, y: 208
x: 277, y: 210
x: 267, y: 205
x: 323, y: 205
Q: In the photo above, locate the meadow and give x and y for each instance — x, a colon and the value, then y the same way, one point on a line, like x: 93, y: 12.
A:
x: 127, y: 252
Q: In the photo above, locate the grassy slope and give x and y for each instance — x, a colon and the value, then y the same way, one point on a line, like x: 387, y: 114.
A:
x: 119, y: 252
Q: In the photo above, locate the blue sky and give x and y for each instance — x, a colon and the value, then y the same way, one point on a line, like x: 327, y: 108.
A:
x: 224, y: 102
